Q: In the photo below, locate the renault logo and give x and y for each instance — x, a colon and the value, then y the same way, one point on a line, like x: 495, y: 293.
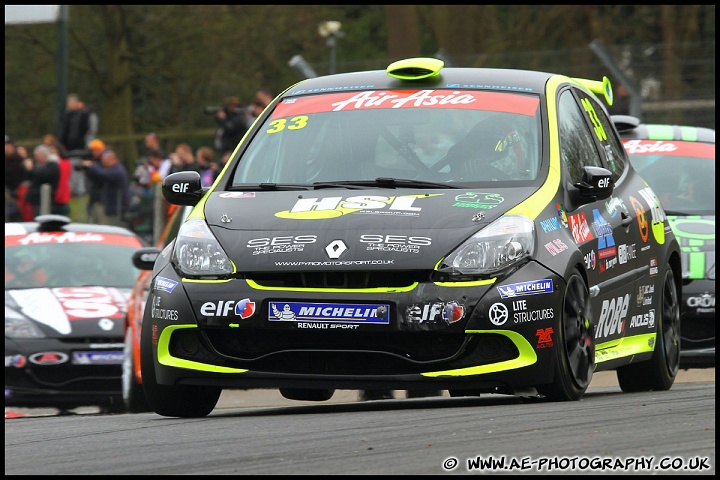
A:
x: 335, y: 249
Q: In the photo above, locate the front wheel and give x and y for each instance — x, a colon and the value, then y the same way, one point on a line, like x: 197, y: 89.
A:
x: 659, y: 372
x: 575, y: 352
x: 186, y: 401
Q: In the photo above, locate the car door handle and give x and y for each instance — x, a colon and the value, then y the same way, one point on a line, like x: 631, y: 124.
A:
x: 626, y: 219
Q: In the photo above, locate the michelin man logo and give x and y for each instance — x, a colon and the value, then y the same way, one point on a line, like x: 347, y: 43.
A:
x: 287, y: 314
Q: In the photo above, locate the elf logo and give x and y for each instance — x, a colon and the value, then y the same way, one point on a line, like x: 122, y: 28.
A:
x: 225, y: 308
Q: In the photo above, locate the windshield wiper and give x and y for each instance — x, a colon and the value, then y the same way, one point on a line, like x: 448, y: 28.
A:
x: 384, y: 182
x: 269, y: 186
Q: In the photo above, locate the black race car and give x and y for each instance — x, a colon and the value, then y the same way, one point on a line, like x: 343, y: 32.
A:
x: 463, y: 229
x: 66, y: 289
x: 678, y: 161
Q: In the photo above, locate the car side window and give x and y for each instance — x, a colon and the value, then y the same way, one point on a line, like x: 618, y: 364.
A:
x: 611, y: 144
x: 577, y: 147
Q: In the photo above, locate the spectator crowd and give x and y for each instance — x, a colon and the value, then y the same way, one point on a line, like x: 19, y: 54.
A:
x: 80, y: 164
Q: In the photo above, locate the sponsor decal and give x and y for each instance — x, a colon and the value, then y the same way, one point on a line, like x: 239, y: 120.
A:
x: 498, y: 314
x: 361, y: 313
x: 653, y: 266
x: 533, y: 287
x: 643, y: 319
x: 521, y: 313
x: 16, y: 361
x: 406, y: 99
x: 395, y: 243
x: 644, y: 296
x: 448, y: 313
x: 613, y: 205
x: 544, y: 337
x: 704, y: 303
x: 590, y: 260
x: 555, y: 247
x: 337, y: 263
x: 550, y: 224
x: 154, y: 329
x: 88, y: 303
x: 38, y: 238
x: 59, y: 307
x: 478, y: 200
x: 643, y: 225
x: 237, y: 195
x: 656, y: 212
x: 677, y: 148
x: 98, y: 358
x: 561, y: 214
x: 244, y: 308
x: 607, y: 264
x: 165, y: 284
x: 327, y: 326
x: 612, y: 316
x: 48, y: 358
x: 284, y: 244
x: 334, y: 207
x: 626, y: 252
x: 579, y: 228
x: 158, y: 313
x: 603, y: 232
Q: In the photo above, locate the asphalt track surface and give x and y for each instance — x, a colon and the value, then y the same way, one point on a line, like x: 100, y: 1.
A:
x: 257, y: 432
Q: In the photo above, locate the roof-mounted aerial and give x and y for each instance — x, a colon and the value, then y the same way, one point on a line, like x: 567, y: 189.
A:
x: 415, y: 68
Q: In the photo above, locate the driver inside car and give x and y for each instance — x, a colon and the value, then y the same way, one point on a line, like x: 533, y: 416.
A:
x: 491, y: 151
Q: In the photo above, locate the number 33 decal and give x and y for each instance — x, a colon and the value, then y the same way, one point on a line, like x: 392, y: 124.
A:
x: 295, y: 123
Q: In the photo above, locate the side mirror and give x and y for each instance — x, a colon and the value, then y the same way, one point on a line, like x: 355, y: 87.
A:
x: 144, y: 258
x: 596, y: 184
x: 183, y: 188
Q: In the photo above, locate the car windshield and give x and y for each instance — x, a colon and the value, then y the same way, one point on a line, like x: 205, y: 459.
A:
x: 683, y: 179
x: 69, y: 265
x: 441, y: 136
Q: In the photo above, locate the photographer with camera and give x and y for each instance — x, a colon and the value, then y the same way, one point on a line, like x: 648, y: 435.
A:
x: 232, y: 124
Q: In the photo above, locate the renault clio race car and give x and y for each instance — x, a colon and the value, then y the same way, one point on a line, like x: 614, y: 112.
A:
x: 462, y: 229
x: 679, y: 164
x: 66, y: 290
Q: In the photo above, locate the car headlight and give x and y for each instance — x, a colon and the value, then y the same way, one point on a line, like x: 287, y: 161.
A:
x: 198, y: 253
x: 17, y: 326
x: 507, y: 241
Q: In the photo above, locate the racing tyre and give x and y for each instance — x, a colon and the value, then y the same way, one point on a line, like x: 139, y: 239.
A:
x: 308, y: 394
x: 132, y: 391
x: 659, y: 372
x: 575, y: 349
x: 186, y: 401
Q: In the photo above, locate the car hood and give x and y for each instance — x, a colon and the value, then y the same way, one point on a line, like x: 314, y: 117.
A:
x: 351, y: 229
x: 72, y: 312
x: 696, y: 235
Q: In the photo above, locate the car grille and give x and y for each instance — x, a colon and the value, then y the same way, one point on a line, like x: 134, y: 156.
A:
x: 337, y: 353
x: 368, y: 279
